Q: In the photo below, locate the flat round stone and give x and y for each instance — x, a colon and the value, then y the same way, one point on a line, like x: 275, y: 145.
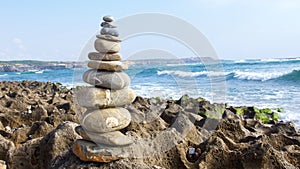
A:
x: 106, y: 120
x: 109, y: 31
x: 108, y: 18
x: 106, y: 79
x: 114, y: 138
x: 108, y: 65
x: 105, y: 56
x: 109, y: 37
x: 107, y: 46
x: 94, y: 98
x: 108, y: 25
x: 89, y: 151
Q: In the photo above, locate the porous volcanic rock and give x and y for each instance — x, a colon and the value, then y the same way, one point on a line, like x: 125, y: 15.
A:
x: 242, y: 137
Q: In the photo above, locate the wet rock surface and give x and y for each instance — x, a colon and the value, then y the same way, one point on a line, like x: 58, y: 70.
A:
x: 35, y: 133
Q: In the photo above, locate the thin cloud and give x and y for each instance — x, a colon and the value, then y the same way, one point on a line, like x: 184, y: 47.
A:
x: 19, y: 43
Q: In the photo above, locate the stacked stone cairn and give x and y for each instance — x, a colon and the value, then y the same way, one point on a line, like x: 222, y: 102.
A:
x: 104, y: 100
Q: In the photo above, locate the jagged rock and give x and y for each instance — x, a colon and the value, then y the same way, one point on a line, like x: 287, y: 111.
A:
x: 242, y: 142
x: 233, y: 129
x: 5, y: 146
x: 150, y: 129
x: 39, y: 152
x: 39, y: 112
x: 33, y: 102
x: 39, y: 129
x: 25, y: 156
x: 1, y: 125
x: 19, y: 135
x: 57, y: 142
x: 229, y: 115
x: 171, y: 112
x: 201, y: 106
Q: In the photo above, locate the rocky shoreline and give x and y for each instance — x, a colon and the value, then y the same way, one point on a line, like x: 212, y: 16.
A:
x: 38, y: 123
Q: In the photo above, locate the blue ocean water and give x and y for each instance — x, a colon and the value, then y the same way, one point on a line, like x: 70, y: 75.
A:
x: 262, y: 83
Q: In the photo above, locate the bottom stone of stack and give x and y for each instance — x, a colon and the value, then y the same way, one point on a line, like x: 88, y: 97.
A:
x: 89, y: 151
x: 115, y: 138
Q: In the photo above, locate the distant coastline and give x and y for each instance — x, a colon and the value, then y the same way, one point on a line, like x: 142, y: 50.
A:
x: 29, y: 65
x: 35, y: 65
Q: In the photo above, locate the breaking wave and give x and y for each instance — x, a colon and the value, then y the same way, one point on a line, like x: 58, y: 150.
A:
x: 241, y: 75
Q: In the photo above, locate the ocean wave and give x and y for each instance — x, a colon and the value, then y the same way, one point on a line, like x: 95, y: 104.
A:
x: 3, y: 75
x: 32, y: 72
x: 292, y: 76
x: 29, y: 72
x: 191, y: 74
x: 265, y: 76
x: 258, y: 76
x: 280, y: 60
x: 39, y: 72
x: 237, y: 74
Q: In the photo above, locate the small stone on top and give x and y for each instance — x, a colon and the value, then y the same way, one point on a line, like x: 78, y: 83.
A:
x: 108, y: 18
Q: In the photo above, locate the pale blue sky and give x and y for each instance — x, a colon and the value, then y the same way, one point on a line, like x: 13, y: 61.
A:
x: 58, y: 30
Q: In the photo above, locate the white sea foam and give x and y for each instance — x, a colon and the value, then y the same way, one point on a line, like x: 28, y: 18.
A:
x: 279, y: 60
x: 191, y: 74
x: 3, y: 75
x: 40, y: 72
x: 257, y: 75
x: 237, y: 74
x: 260, y: 76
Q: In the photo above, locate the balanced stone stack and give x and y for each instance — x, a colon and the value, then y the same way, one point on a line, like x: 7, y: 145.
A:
x: 104, y: 100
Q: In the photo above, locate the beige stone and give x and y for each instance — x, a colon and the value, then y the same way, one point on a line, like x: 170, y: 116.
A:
x: 106, y: 79
x: 105, y: 56
x: 106, y: 120
x: 107, y: 46
x: 93, y: 98
x: 109, y: 37
x: 114, y: 138
x: 2, y: 164
x: 108, y: 65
